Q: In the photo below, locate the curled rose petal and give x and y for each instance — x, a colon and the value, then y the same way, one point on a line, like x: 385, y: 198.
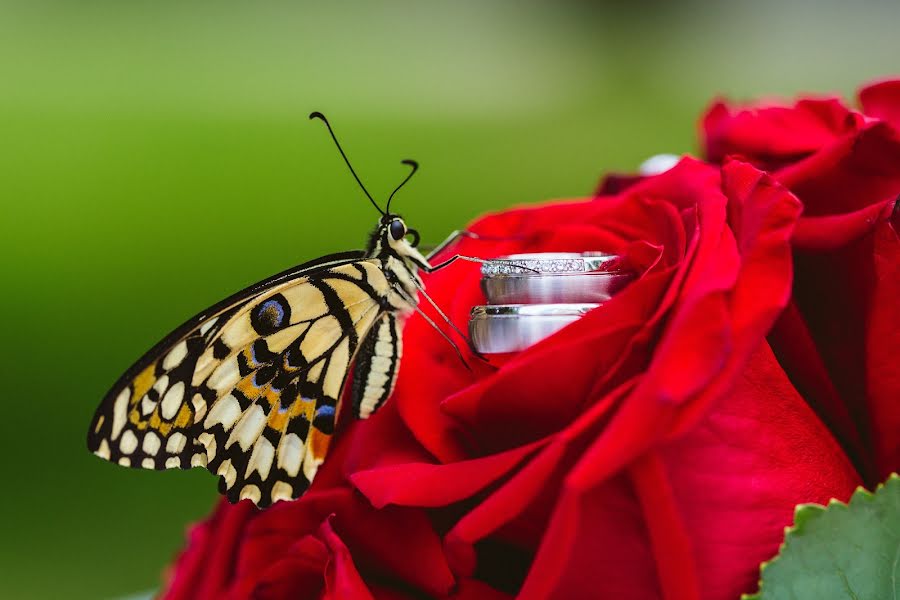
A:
x: 770, y: 135
x: 881, y: 100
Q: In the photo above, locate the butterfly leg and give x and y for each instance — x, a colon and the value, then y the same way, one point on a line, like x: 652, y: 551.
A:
x: 455, y: 235
x: 445, y: 336
x: 482, y: 261
x: 461, y: 233
x: 453, y: 259
x: 434, y: 326
x: 447, y: 320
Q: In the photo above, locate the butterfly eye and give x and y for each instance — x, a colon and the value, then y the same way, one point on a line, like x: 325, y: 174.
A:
x: 398, y: 229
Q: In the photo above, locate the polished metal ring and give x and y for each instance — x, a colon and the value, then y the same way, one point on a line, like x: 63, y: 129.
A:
x: 510, y: 328
x: 548, y: 263
x: 553, y: 278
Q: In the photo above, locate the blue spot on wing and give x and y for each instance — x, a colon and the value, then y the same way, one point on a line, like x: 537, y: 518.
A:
x: 324, y: 411
x: 324, y: 419
x: 275, y: 309
x: 271, y: 315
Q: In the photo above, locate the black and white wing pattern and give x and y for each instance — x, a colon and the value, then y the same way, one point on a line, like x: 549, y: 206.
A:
x: 250, y: 389
x: 375, y: 371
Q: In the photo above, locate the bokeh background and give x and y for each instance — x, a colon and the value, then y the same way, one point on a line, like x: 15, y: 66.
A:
x: 156, y: 156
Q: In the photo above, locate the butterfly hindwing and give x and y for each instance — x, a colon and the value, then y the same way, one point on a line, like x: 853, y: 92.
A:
x: 276, y: 397
x: 249, y: 388
x: 375, y: 370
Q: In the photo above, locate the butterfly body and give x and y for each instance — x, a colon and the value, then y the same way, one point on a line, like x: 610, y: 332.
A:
x: 251, y: 388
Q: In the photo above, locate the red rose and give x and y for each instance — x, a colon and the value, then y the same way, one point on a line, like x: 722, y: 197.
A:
x: 840, y: 337
x: 331, y: 543
x: 653, y: 449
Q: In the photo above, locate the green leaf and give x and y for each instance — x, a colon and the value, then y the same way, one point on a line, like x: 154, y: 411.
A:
x: 842, y: 551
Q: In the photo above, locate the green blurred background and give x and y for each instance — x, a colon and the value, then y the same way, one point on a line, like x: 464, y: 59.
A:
x: 156, y: 156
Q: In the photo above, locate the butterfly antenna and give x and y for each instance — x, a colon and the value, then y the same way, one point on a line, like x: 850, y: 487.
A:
x: 415, y: 167
x: 318, y: 115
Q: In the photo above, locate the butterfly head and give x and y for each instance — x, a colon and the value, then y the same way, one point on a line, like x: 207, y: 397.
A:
x: 393, y: 238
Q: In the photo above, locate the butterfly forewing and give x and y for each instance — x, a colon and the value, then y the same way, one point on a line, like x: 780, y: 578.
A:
x: 250, y: 389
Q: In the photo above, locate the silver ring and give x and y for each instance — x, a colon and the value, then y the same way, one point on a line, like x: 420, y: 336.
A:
x: 548, y: 263
x: 500, y: 329
x: 553, y: 278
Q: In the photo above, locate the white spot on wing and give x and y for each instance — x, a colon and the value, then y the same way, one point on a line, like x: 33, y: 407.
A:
x: 367, y: 405
x: 175, y: 443
x: 337, y: 369
x: 313, y: 373
x: 161, y: 384
x: 321, y: 335
x: 173, y: 462
x: 128, y: 443
x: 125, y: 461
x: 147, y: 405
x: 376, y: 379
x: 282, y: 491
x: 103, y: 450
x: 251, y: 492
x: 225, y: 411
x: 198, y: 460
x: 248, y: 428
x: 290, y: 454
x: 151, y: 443
x: 171, y: 402
x: 204, y: 366
x: 208, y: 325
x: 148, y: 463
x: 283, y: 338
x: 225, y: 376
x: 209, y: 442
x: 120, y: 412
x: 175, y: 356
x: 310, y: 466
x: 306, y: 302
x: 261, y: 458
x: 199, y: 407
x: 381, y: 363
x: 227, y: 471
x: 238, y: 332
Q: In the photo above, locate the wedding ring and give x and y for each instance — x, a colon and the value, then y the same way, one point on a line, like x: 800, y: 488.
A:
x: 553, y: 278
x: 497, y: 329
x: 548, y: 263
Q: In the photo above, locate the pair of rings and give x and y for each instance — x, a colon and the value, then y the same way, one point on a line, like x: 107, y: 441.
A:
x: 531, y: 296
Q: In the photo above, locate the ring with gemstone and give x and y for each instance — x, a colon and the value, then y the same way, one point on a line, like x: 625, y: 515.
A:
x: 549, y: 263
x: 498, y: 329
x: 553, y: 278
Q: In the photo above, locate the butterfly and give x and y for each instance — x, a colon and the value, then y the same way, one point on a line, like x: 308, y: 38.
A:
x: 251, y: 388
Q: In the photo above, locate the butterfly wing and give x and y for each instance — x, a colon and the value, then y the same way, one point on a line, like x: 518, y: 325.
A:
x: 376, y: 366
x: 250, y: 387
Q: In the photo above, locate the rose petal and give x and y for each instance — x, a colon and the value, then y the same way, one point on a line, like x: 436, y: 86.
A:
x: 792, y: 343
x: 883, y: 348
x: 859, y: 169
x: 834, y: 231
x: 882, y: 100
x: 421, y: 484
x: 769, y: 135
x: 342, y: 580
